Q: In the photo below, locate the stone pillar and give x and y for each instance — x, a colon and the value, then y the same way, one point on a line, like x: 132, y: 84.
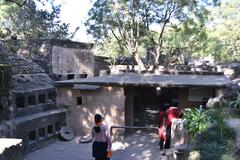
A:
x: 25, y: 102
x: 6, y: 109
x: 179, y: 139
x: 179, y: 133
x: 37, y: 101
x: 46, y: 98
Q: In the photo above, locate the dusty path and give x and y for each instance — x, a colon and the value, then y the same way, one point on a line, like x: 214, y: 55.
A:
x: 139, y: 146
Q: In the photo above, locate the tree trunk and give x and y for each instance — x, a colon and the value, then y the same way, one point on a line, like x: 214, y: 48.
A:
x: 139, y: 61
x: 157, y: 58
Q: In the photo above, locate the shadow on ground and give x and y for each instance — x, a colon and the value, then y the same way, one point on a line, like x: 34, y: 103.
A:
x: 136, y: 146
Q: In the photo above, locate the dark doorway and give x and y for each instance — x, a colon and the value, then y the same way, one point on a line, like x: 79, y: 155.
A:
x: 166, y: 95
x: 145, y: 106
x: 147, y: 103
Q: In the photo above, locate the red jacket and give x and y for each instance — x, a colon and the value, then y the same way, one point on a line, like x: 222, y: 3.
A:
x: 171, y: 113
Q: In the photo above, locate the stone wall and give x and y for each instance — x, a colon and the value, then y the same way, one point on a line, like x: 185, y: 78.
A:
x: 72, y: 61
x: 101, y: 66
x: 50, y: 54
x: 184, y: 100
x: 83, y: 105
x: 39, y: 129
x: 6, y: 112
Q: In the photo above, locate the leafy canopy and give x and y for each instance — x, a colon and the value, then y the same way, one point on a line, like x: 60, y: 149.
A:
x: 26, y: 21
x: 131, y: 22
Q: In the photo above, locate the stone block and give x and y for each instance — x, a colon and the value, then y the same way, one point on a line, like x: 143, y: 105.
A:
x: 179, y: 133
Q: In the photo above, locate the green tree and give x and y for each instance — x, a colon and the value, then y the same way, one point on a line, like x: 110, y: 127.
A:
x: 120, y: 19
x: 26, y: 21
x: 225, y: 28
x: 130, y: 21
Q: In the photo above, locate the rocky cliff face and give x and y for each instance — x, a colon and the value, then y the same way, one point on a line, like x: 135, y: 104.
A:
x: 6, y: 111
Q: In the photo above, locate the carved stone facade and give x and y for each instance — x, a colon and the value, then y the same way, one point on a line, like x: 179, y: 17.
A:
x: 6, y: 112
x: 28, y: 106
x: 60, y: 59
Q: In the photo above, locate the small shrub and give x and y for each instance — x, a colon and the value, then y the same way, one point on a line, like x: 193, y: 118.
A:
x: 213, y: 139
x: 197, y: 121
x: 236, y: 103
x: 213, y: 145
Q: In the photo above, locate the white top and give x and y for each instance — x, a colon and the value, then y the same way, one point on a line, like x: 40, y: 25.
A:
x: 102, y: 136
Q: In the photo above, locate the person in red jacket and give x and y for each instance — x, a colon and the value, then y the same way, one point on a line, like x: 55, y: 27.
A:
x: 173, y: 112
x: 162, y: 124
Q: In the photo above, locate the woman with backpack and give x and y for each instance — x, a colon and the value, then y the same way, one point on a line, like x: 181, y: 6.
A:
x: 101, y: 147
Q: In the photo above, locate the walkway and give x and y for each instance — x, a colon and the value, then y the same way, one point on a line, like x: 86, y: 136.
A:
x: 138, y: 146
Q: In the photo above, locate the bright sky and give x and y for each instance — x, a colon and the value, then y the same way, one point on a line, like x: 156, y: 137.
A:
x: 75, y: 12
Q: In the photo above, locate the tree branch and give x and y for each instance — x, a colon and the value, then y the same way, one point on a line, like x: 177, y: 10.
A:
x: 118, y: 40
x: 17, y: 3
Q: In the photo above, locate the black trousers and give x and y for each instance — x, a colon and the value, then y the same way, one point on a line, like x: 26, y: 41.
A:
x: 99, y: 150
x: 168, y: 138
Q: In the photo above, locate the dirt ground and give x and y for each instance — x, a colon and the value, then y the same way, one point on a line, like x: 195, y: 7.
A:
x: 137, y: 146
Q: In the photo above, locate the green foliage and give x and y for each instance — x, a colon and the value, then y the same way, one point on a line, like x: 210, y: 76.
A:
x: 224, y: 26
x: 29, y: 22
x: 198, y: 121
x: 213, y: 139
x: 213, y: 145
x: 111, y: 49
x: 235, y: 104
x: 130, y: 22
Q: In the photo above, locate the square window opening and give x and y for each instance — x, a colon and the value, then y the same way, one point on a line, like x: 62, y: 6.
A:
x: 60, y: 77
x: 83, y: 75
x: 32, y: 135
x: 31, y: 100
x: 70, y: 76
x: 79, y: 101
x: 41, y: 98
x: 57, y: 126
x: 41, y: 132
x: 50, y: 129
x: 20, y: 102
x: 51, y: 96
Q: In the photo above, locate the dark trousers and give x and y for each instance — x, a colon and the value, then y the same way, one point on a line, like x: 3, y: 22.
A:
x: 99, y: 150
x: 168, y: 138
x: 167, y: 143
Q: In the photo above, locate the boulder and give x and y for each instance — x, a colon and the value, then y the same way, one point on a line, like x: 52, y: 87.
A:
x: 232, y: 69
x: 231, y: 91
x: 213, y: 102
x: 179, y: 134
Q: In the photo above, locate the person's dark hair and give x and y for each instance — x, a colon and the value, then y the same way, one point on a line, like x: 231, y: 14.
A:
x: 174, y: 103
x: 97, y: 119
x: 165, y: 106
